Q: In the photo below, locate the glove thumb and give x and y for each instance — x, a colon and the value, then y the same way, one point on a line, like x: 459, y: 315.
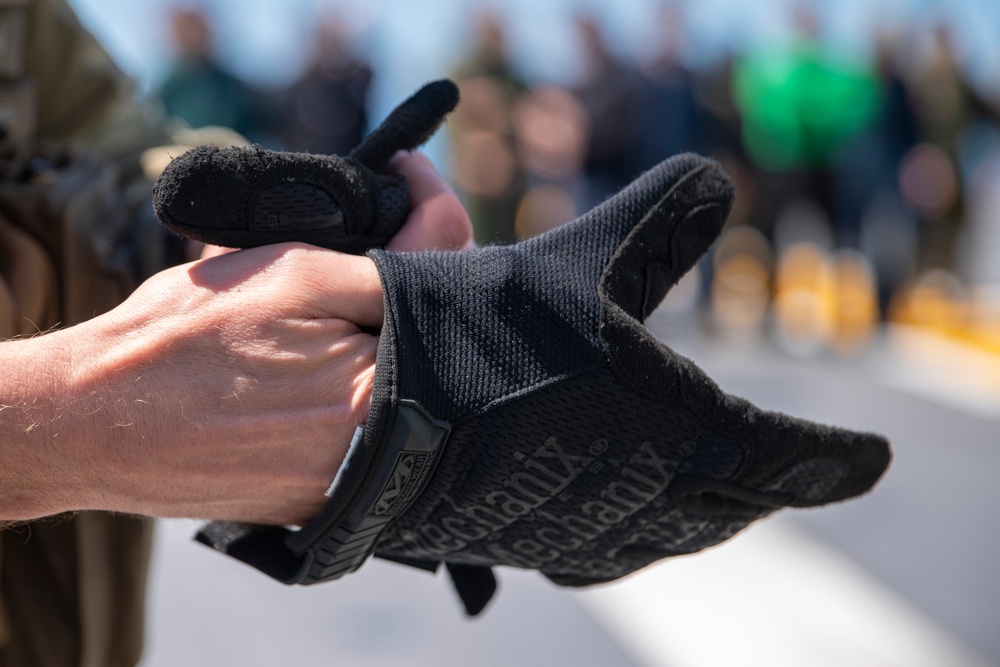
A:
x: 669, y: 240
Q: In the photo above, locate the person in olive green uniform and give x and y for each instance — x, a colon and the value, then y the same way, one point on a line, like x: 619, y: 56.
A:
x: 200, y: 91
x: 125, y: 411
x: 71, y: 588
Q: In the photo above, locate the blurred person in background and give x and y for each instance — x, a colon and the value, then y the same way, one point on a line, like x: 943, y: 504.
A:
x: 668, y: 113
x: 326, y: 110
x: 932, y: 182
x: 799, y: 106
x: 681, y: 110
x: 947, y: 183
x: 199, y: 90
x: 888, y: 227
x: 806, y: 111
x: 552, y: 128
x: 610, y: 92
x: 486, y: 166
x: 76, y: 237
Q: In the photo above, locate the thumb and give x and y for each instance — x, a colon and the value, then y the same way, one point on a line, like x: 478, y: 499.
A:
x: 299, y: 280
x: 672, y: 235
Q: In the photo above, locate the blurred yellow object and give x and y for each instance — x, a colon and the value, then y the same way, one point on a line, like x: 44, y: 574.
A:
x: 820, y: 301
x: 984, y: 329
x: 824, y: 301
x: 856, y: 304
x: 805, y: 300
x: 741, y: 286
x: 740, y: 294
x: 939, y: 304
x: 936, y: 302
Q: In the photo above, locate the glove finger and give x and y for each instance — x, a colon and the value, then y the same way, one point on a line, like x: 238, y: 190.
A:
x: 755, y: 461
x: 248, y: 197
x: 646, y: 237
x: 669, y: 240
x: 409, y: 125
x: 782, y: 460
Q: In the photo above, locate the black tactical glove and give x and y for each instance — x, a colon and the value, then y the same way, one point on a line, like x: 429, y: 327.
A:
x: 246, y: 197
x: 522, y: 415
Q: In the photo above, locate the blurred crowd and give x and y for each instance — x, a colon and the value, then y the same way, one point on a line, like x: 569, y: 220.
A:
x: 324, y: 111
x: 867, y: 189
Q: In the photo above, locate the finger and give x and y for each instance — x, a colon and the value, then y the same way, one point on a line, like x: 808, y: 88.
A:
x: 295, y: 280
x: 342, y: 286
x: 249, y: 197
x: 437, y: 219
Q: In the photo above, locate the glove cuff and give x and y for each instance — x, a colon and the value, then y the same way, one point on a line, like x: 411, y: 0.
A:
x: 376, y: 484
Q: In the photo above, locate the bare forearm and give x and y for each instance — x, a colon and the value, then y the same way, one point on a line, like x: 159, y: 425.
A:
x: 36, y: 470
x: 69, y: 414
x: 197, y: 396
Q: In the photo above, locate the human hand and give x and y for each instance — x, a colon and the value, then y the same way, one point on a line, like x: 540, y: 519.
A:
x: 228, y: 388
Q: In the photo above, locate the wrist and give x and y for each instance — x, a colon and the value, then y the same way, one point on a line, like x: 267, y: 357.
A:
x: 57, y: 432
x: 36, y: 472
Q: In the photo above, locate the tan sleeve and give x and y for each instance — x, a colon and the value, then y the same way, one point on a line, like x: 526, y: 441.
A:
x: 68, y: 65
x: 29, y: 299
x: 58, y: 83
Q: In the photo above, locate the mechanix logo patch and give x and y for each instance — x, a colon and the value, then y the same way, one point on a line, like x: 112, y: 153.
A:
x: 410, y: 469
